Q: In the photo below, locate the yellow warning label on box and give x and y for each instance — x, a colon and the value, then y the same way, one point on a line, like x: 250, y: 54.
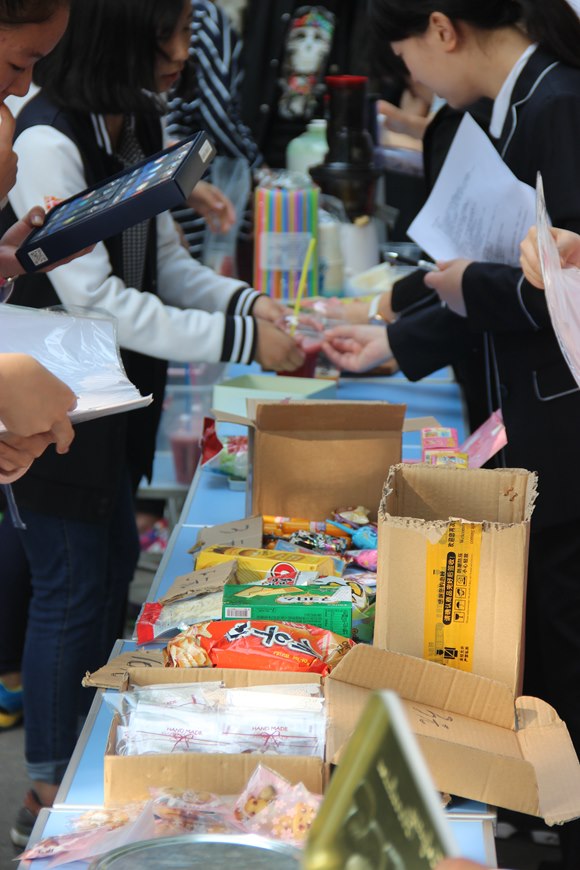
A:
x: 451, y: 595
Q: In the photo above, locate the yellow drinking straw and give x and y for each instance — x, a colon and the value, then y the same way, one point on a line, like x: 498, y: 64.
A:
x: 302, y: 284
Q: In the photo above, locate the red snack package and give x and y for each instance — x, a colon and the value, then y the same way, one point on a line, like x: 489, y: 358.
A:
x: 257, y: 645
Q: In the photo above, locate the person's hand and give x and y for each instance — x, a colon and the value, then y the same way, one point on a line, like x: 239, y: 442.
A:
x: 18, y: 453
x: 568, y: 244
x: 270, y: 309
x: 276, y: 350
x: 8, y: 157
x: 357, y: 348
x: 33, y: 401
x: 213, y: 205
x: 10, y: 266
x: 448, y: 284
x: 400, y: 120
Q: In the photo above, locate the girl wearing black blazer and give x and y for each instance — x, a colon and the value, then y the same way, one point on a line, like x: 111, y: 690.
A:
x: 524, y: 56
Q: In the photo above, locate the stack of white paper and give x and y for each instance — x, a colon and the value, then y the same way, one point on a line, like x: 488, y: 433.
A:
x: 477, y: 209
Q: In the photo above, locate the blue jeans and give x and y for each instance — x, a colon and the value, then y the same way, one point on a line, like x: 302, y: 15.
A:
x: 80, y: 578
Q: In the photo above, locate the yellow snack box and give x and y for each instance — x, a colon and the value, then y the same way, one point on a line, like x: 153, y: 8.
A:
x: 274, y: 565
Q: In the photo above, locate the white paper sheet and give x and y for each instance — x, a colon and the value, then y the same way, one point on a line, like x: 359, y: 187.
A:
x: 477, y: 209
x: 80, y: 350
x: 562, y: 288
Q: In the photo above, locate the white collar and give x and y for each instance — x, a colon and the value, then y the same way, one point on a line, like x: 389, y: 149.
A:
x: 501, y: 103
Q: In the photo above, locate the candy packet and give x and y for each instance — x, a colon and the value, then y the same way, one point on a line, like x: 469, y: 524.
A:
x: 227, y: 455
x: 367, y: 559
x: 190, y: 812
x: 158, y: 620
x: 263, y: 787
x: 288, y: 817
x: 257, y: 645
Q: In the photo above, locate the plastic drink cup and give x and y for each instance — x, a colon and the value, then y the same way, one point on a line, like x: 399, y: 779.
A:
x: 311, y: 348
x: 186, y: 449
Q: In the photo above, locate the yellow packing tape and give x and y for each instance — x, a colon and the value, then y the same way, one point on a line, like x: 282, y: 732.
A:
x: 451, y: 595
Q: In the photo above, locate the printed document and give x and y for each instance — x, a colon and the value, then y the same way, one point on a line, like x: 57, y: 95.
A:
x: 477, y: 209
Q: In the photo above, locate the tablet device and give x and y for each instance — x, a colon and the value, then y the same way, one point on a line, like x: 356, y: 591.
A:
x: 135, y: 194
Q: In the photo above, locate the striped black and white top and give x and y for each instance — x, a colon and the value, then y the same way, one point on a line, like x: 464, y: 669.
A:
x: 215, y: 49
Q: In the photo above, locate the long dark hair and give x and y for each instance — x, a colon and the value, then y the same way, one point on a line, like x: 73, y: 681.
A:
x: 15, y: 12
x: 105, y: 62
x: 552, y: 23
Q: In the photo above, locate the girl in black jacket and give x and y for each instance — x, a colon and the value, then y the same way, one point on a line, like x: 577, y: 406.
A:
x: 524, y: 56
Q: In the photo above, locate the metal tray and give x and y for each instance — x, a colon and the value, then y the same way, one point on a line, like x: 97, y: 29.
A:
x: 220, y: 852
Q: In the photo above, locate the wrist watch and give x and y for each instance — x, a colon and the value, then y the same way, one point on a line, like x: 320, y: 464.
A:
x: 374, y: 316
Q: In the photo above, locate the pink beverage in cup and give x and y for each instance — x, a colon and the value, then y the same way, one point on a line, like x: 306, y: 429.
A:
x: 186, y: 448
x: 311, y: 348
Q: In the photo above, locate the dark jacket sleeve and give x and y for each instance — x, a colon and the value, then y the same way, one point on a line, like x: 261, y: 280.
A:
x: 429, y: 340
x: 410, y: 294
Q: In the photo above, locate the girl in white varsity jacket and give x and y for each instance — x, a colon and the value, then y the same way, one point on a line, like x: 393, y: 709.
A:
x: 98, y: 111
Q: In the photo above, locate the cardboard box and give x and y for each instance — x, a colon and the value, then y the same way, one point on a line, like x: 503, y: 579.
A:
x: 479, y: 742
x: 230, y: 395
x: 308, y: 458
x: 453, y: 590
x: 129, y: 778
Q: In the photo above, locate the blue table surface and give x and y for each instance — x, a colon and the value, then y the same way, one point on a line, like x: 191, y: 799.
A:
x: 211, y: 501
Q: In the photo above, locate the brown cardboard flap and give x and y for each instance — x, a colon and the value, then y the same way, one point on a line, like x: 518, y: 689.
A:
x: 329, y: 416
x: 200, y: 582
x: 411, y: 424
x: 478, y: 774
x: 227, y: 417
x: 113, y: 675
x: 428, y: 682
x: 501, y: 495
x: 129, y: 778
x: 231, y: 677
x: 545, y: 742
x: 240, y: 533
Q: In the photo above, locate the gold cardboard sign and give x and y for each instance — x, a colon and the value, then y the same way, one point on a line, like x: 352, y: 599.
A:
x: 381, y: 810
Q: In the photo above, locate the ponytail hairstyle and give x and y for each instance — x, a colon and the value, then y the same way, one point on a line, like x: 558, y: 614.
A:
x: 551, y: 23
x: 16, y: 12
x: 105, y: 62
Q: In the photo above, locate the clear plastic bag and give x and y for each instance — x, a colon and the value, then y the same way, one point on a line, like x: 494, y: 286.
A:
x: 232, y: 176
x: 80, y: 348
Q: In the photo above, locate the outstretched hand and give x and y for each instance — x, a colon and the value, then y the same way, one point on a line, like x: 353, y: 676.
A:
x: 357, y: 348
x: 214, y: 206
x: 16, y: 235
x: 567, y: 243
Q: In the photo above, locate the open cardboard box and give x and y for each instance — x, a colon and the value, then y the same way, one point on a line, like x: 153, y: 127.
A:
x: 452, y: 567
x: 478, y: 741
x: 308, y: 458
x: 129, y: 778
